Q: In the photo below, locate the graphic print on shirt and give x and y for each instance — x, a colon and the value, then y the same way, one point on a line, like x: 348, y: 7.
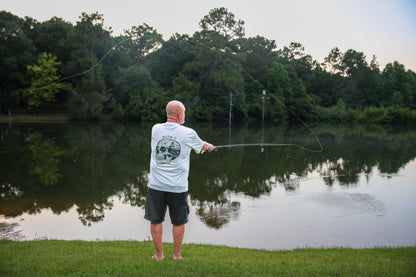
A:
x: 167, y: 150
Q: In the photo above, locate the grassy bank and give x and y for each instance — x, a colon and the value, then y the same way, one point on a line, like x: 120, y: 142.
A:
x: 130, y: 258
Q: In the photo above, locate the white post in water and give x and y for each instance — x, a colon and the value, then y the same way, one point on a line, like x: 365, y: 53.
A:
x: 262, y: 120
x: 262, y: 114
x: 231, y: 104
x: 229, y: 119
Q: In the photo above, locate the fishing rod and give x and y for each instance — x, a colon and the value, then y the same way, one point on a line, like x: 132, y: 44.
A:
x: 261, y: 145
x: 254, y: 144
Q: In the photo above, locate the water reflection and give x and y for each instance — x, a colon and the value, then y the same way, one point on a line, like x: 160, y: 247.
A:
x: 348, y: 204
x: 9, y: 231
x: 62, y: 166
x: 216, y: 215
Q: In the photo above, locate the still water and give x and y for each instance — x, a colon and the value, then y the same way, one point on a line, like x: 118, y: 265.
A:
x: 89, y: 182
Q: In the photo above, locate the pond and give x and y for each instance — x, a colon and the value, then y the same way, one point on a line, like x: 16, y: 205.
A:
x: 89, y: 181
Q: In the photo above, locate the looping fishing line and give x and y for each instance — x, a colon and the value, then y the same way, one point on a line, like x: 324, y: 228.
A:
x: 84, y: 72
x: 246, y: 72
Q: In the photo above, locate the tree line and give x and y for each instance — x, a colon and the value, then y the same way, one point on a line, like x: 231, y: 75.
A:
x: 84, y: 70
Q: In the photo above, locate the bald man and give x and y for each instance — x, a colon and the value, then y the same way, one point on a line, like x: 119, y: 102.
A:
x: 171, y: 145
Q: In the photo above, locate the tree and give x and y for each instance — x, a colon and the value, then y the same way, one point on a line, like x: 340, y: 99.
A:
x: 259, y: 53
x: 294, y: 56
x: 299, y: 102
x: 369, y: 81
x: 50, y: 36
x: 166, y: 63
x: 114, y: 60
x: 42, y: 78
x: 217, y: 68
x: 87, y: 42
x: 293, y: 52
x: 277, y: 82
x: 257, y: 56
x: 221, y: 22
x: 399, y: 86
x: 132, y: 81
x: 143, y: 41
x: 352, y: 62
x: 355, y: 67
x: 16, y: 52
x: 187, y: 92
x: 324, y: 86
x: 333, y: 62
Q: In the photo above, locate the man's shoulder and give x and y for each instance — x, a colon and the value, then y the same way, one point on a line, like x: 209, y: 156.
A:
x: 173, y: 127
x: 159, y: 125
x: 188, y: 129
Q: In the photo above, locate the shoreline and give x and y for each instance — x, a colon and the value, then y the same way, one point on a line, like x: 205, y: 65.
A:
x: 33, y: 118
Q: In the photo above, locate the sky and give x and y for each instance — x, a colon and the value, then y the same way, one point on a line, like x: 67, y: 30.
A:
x: 384, y: 28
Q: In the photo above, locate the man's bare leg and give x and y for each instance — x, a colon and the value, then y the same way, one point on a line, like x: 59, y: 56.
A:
x: 178, y: 232
x: 157, y: 232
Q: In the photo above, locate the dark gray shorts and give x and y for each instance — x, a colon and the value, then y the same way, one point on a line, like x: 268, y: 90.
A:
x: 157, y: 202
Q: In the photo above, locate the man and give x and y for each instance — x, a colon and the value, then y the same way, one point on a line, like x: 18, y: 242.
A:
x: 171, y: 145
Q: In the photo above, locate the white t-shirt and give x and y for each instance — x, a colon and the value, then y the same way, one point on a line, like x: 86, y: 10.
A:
x: 169, y: 163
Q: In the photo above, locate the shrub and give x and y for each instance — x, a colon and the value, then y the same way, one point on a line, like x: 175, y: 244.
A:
x: 371, y: 115
x: 398, y: 116
x: 118, y: 112
x: 75, y: 107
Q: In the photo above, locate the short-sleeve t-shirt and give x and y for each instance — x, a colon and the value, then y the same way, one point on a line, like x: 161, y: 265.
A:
x: 171, y: 145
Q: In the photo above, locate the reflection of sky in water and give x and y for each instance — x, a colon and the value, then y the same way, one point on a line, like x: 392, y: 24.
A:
x: 122, y: 222
x: 349, y: 204
x: 378, y: 211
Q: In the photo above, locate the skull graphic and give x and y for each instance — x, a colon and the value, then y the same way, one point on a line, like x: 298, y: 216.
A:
x: 167, y: 150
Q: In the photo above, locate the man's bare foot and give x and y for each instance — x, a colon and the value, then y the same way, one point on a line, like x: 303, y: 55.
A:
x: 177, y: 257
x: 155, y: 257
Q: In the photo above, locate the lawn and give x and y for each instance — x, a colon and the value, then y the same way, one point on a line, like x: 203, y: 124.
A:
x: 132, y: 258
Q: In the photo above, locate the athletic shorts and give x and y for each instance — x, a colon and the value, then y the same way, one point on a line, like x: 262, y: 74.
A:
x: 157, y: 201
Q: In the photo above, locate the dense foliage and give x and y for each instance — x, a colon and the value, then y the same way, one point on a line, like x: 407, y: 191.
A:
x: 84, y: 70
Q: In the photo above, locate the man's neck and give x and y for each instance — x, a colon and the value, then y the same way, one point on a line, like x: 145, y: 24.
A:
x: 173, y: 120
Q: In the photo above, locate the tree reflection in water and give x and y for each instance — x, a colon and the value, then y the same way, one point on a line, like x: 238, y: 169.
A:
x: 90, y: 212
x: 62, y: 166
x: 8, y: 231
x: 46, y: 158
x: 216, y: 215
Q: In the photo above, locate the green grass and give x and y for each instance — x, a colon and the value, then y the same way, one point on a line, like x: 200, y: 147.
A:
x: 130, y: 258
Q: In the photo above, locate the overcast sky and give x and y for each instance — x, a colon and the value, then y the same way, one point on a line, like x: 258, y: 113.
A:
x: 384, y: 28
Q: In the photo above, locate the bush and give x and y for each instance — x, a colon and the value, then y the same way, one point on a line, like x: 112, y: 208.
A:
x: 134, y: 108
x: 89, y: 106
x: 75, y: 107
x: 371, y: 115
x: 118, y: 112
x: 399, y: 116
x: 335, y: 114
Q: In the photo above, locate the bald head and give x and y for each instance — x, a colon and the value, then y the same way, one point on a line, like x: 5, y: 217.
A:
x: 175, y: 112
